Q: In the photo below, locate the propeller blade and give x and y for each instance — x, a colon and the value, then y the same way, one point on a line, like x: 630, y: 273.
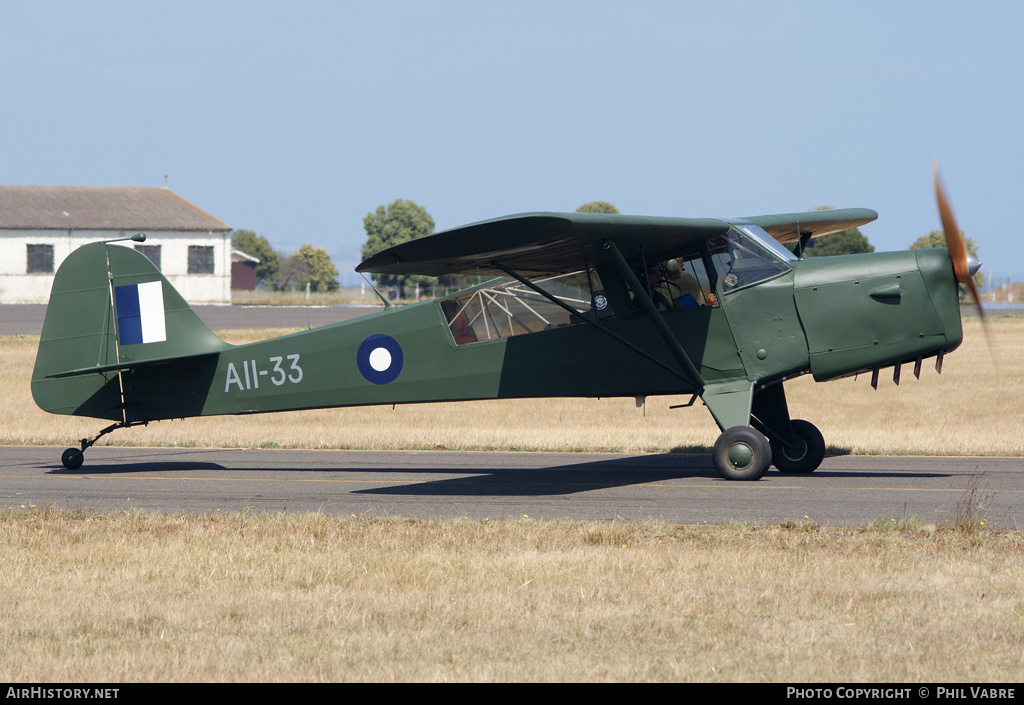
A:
x: 958, y: 253
x: 954, y: 239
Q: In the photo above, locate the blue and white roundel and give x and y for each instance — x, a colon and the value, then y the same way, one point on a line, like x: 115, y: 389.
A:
x: 380, y: 359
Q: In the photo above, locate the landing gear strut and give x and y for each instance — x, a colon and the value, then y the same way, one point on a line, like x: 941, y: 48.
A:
x: 72, y: 458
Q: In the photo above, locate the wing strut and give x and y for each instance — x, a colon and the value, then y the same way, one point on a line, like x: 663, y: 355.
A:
x: 652, y: 312
x: 615, y: 336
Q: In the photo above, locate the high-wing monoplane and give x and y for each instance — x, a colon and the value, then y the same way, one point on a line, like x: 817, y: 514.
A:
x: 583, y: 305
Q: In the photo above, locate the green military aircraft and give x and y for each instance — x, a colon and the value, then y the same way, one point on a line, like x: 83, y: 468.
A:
x: 586, y: 305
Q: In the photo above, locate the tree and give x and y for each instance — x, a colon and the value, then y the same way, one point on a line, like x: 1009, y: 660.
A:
x: 308, y: 265
x: 292, y: 275
x: 598, y: 207
x: 937, y: 239
x: 323, y: 275
x: 391, y: 225
x: 259, y: 247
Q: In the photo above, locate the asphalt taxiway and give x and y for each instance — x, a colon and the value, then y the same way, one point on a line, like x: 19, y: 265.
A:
x: 845, y: 490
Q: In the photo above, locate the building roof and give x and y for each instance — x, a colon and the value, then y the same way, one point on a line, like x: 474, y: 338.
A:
x: 100, y: 208
x: 238, y: 256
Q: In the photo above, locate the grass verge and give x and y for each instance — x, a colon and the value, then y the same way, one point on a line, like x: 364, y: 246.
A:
x: 239, y: 597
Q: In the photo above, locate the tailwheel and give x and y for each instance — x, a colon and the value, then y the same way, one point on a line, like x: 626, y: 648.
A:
x: 806, y: 452
x: 741, y: 453
x: 72, y: 458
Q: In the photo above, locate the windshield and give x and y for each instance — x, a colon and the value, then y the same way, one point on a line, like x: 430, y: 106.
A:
x: 746, y: 255
x: 767, y: 241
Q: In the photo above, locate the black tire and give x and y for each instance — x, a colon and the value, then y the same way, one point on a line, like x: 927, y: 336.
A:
x: 72, y: 458
x: 808, y: 452
x: 741, y: 453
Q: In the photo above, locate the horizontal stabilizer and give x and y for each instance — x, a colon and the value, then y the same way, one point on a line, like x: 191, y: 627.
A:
x: 99, y: 369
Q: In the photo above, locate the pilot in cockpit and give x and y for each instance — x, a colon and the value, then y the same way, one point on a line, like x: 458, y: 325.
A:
x: 681, y: 288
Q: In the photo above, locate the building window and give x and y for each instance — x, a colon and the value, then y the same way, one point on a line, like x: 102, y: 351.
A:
x: 40, y: 259
x: 200, y: 259
x: 152, y: 252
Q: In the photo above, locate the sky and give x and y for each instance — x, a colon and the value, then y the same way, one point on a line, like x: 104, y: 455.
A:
x: 295, y: 119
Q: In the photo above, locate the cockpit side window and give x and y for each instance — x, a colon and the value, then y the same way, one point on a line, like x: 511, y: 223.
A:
x: 509, y: 308
x: 741, y: 260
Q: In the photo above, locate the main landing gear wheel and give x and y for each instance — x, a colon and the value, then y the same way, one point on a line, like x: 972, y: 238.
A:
x: 807, y: 452
x: 72, y: 458
x: 741, y: 453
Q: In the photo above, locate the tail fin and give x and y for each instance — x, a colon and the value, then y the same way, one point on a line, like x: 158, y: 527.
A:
x: 110, y: 311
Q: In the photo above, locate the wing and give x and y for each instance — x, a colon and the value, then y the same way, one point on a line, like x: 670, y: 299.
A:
x: 790, y: 227
x: 555, y: 243
x: 541, y: 243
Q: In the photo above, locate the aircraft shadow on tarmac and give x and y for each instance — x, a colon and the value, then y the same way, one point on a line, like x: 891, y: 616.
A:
x: 126, y: 468
x: 582, y: 477
x: 559, y: 479
x: 489, y: 481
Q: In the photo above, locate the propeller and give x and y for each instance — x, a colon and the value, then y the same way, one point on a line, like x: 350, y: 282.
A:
x: 965, y: 265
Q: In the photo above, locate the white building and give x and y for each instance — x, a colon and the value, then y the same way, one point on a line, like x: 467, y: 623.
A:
x: 41, y: 225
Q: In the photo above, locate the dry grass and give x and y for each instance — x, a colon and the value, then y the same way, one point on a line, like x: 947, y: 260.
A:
x: 973, y: 408
x: 133, y: 597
